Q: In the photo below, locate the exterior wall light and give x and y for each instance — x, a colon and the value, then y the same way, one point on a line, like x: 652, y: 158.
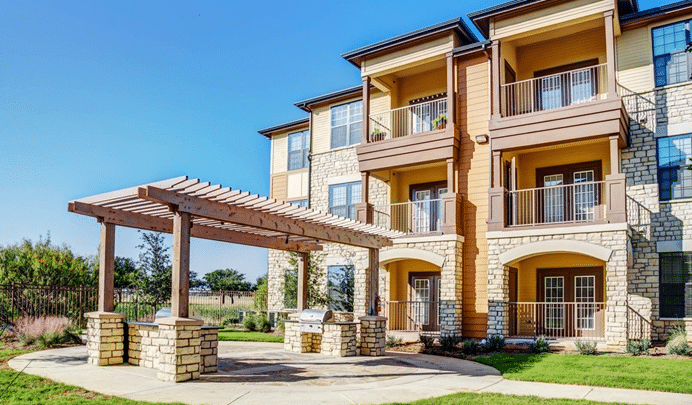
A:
x: 482, y: 139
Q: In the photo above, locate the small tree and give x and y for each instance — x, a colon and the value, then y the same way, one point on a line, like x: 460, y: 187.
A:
x: 317, y: 295
x: 261, y: 294
x: 227, y: 280
x: 125, y: 273
x: 155, y: 264
x: 341, y: 288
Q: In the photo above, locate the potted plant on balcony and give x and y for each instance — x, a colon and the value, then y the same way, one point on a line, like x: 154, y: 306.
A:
x: 377, y: 135
x: 440, y: 122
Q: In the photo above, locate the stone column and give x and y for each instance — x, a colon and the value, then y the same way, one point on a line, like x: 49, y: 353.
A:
x: 209, y: 351
x: 179, y: 356
x: 616, y: 294
x: 451, y: 291
x: 372, y: 335
x: 105, y: 338
x: 498, y: 291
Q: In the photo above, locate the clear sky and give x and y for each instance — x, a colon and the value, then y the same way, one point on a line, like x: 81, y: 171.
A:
x: 97, y: 96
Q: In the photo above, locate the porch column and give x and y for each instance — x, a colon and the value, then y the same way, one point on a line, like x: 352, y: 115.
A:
x: 451, y: 176
x: 106, y: 267
x: 496, y: 78
x: 451, y: 95
x: 180, y: 281
x: 303, y: 261
x: 616, y: 198
x: 610, y: 53
x: 373, y: 275
x: 366, y: 109
x: 364, y: 210
x: 496, y: 220
x: 614, y: 154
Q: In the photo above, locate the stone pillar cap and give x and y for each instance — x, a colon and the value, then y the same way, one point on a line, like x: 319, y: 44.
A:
x: 373, y: 318
x: 104, y: 315
x: 178, y: 321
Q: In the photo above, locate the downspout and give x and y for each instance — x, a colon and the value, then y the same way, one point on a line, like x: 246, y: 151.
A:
x: 484, y: 48
x: 310, y: 159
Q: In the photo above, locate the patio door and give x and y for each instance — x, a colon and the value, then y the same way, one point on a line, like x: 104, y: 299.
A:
x: 569, y: 193
x: 425, y: 290
x: 426, y: 207
x: 565, y: 85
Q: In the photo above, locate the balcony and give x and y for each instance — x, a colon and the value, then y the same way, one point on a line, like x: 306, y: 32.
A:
x: 415, y: 134
x: 412, y: 315
x: 557, y: 319
x: 560, y: 90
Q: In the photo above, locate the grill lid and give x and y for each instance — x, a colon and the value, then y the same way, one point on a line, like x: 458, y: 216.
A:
x: 315, y: 315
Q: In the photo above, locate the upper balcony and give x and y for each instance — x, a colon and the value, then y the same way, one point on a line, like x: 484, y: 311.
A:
x: 556, y: 84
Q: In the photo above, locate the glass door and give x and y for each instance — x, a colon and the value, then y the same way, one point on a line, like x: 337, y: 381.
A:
x: 553, y: 198
x: 585, y: 298
x: 584, y: 196
x: 421, y: 301
x: 554, y: 293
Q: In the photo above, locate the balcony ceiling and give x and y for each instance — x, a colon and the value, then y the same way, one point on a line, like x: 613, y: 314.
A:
x: 536, y: 39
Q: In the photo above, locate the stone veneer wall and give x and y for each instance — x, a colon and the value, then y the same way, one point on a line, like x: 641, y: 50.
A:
x: 372, y: 335
x: 615, y: 273
x: 173, y: 351
x: 653, y: 221
x: 338, y: 339
x: 105, y: 338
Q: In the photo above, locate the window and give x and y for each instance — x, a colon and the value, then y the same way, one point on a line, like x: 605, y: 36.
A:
x: 341, y: 287
x: 347, y: 124
x: 300, y: 203
x: 671, y: 63
x: 675, y: 284
x: 343, y: 199
x: 298, y: 148
x: 674, y: 180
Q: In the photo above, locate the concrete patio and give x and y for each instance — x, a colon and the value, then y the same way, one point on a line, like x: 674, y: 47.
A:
x: 263, y: 373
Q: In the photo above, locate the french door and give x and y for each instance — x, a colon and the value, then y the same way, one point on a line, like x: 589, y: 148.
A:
x: 426, y: 208
x: 425, y: 292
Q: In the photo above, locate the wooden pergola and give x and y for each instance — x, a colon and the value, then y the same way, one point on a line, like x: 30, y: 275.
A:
x: 190, y: 208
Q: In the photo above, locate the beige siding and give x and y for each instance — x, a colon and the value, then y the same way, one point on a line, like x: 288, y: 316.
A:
x: 562, y: 51
x: 473, y: 178
x: 408, y: 57
x: 297, y: 184
x: 550, y: 18
x: 379, y: 102
x: 279, y: 153
x: 277, y: 187
x: 634, y: 60
x: 421, y: 85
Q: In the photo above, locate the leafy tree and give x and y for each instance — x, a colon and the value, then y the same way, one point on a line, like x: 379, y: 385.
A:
x: 155, y: 264
x: 227, y: 280
x: 126, y: 274
x: 317, y: 296
x: 261, y: 294
x: 260, y: 280
x: 195, y: 282
x: 46, y: 264
x: 341, y: 285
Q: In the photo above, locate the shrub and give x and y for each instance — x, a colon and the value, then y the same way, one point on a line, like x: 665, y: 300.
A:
x: 263, y: 323
x: 470, y: 346
x: 393, y: 341
x: 586, y: 347
x: 231, y: 320
x: 450, y: 342
x: 427, y: 340
x: 496, y: 343
x: 637, y: 347
x: 540, y: 345
x: 250, y: 323
x: 46, y: 331
x: 677, y: 343
x: 281, y: 326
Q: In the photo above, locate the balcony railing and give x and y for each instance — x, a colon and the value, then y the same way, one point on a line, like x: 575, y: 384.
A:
x: 570, y: 203
x: 405, y: 121
x: 412, y: 315
x: 555, y: 91
x: 416, y: 217
x: 557, y: 319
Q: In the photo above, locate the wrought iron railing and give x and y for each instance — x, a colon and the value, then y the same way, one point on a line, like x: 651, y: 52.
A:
x: 555, y: 91
x: 412, y: 315
x: 638, y: 327
x: 641, y: 107
x: 414, y: 217
x: 405, y: 121
x: 569, y: 203
x: 557, y: 319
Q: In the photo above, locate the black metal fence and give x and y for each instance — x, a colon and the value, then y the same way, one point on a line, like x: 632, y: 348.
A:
x: 28, y: 300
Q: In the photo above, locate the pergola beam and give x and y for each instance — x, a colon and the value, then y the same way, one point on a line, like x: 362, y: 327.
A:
x: 158, y: 224
x: 262, y: 220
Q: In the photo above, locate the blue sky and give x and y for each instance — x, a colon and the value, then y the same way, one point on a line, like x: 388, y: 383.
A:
x: 97, y: 96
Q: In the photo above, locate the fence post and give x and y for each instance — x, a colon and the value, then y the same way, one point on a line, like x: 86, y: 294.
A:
x: 13, y: 303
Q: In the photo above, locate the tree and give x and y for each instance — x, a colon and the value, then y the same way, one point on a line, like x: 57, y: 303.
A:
x: 227, y: 280
x: 46, y: 264
x: 261, y: 294
x: 317, y: 295
x: 195, y: 282
x: 341, y: 286
x: 155, y: 264
x: 260, y: 280
x: 125, y: 273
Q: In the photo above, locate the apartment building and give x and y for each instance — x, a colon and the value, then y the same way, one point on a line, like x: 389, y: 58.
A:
x: 537, y: 175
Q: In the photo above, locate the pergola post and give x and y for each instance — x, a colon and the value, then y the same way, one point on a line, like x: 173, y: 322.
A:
x: 180, y: 281
x: 373, y: 272
x: 303, y: 262
x: 106, y: 267
x: 373, y: 327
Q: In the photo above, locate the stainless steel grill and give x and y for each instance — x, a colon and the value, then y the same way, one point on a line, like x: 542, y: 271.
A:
x: 312, y: 320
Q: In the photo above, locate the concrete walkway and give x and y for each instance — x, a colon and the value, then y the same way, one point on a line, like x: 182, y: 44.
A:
x: 262, y: 373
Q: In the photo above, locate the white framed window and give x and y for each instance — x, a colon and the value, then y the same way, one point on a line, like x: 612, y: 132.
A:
x: 671, y: 63
x: 343, y: 199
x: 298, y: 150
x: 346, y: 124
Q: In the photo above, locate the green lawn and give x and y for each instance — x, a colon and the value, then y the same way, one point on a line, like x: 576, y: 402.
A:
x: 464, y: 398
x: 246, y: 336
x: 643, y: 373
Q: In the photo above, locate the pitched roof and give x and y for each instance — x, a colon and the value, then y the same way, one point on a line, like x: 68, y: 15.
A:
x: 655, y: 13
x: 336, y: 95
x: 285, y: 126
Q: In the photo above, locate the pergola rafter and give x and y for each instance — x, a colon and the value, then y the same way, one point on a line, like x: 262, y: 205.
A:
x: 190, y: 208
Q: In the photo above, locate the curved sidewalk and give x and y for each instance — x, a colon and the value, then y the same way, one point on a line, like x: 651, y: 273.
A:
x: 262, y: 373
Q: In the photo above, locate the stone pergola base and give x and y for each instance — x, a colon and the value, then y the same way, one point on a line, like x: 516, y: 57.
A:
x: 339, y: 339
x: 105, y: 338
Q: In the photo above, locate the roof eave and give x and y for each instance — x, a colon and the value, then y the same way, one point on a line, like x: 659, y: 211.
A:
x: 267, y: 132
